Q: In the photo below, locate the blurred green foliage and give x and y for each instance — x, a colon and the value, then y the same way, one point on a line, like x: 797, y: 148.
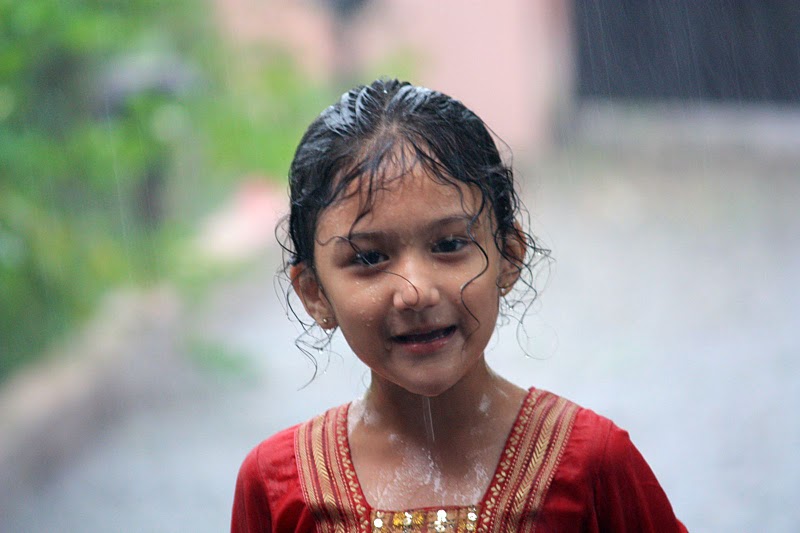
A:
x: 120, y: 122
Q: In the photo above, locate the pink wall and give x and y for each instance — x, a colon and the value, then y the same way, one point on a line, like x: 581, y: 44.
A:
x: 509, y: 60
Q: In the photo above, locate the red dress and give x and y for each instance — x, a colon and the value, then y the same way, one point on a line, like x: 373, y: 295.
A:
x: 563, y: 468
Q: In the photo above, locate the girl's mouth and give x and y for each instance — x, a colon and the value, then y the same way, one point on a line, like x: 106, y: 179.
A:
x: 422, y: 338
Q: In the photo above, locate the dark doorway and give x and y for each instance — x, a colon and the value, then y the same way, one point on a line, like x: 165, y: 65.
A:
x: 689, y: 50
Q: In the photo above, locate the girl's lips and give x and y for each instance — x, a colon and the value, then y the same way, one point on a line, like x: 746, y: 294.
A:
x: 425, y: 337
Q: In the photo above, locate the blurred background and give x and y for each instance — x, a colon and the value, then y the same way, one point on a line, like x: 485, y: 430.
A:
x: 144, y: 341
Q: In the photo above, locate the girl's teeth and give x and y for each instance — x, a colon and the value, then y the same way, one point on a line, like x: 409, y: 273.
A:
x: 425, y: 337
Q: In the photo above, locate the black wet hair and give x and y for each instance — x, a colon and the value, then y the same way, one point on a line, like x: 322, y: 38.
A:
x: 394, y: 126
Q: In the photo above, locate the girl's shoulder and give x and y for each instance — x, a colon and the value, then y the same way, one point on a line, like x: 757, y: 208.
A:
x: 585, y: 425
x: 279, y: 450
x: 591, y: 439
x: 269, y: 493
x: 603, y: 474
x: 272, y: 455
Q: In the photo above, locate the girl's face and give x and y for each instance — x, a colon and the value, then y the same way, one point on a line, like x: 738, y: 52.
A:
x: 414, y: 288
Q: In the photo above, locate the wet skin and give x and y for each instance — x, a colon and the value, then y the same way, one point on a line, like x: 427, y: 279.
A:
x: 415, y: 286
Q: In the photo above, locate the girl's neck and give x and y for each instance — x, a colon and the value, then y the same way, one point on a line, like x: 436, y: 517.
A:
x: 441, y: 420
x: 411, y: 452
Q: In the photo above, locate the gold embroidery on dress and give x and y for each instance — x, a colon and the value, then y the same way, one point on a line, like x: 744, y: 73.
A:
x: 527, y: 466
x: 360, y: 504
x: 512, y: 502
x: 327, y: 477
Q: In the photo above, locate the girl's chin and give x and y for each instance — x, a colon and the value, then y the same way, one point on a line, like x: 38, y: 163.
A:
x: 425, y: 387
x: 428, y: 381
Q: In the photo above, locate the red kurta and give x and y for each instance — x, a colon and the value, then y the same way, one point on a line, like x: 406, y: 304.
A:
x: 563, y: 468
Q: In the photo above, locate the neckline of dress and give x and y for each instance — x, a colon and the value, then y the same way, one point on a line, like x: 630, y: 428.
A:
x: 344, y: 442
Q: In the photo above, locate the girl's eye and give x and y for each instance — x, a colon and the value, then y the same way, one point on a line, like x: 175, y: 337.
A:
x: 450, y: 245
x: 369, y: 258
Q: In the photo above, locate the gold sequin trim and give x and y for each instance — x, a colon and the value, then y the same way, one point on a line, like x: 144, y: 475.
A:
x: 452, y: 520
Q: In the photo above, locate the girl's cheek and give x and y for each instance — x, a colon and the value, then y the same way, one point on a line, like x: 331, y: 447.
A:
x: 375, y: 292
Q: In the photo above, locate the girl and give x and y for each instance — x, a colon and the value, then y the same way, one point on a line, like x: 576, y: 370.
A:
x: 404, y: 235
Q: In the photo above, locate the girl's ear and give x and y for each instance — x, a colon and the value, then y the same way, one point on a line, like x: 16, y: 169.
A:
x: 305, y: 284
x: 514, y: 249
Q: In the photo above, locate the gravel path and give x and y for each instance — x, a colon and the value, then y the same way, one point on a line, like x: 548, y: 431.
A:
x: 670, y: 309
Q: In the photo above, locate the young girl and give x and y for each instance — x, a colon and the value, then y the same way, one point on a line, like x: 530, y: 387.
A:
x: 405, y: 236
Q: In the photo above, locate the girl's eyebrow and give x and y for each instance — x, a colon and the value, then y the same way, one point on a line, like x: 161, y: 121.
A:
x: 469, y: 220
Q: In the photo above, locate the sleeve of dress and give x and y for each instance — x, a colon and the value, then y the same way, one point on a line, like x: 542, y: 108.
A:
x: 628, y: 497
x: 251, y: 511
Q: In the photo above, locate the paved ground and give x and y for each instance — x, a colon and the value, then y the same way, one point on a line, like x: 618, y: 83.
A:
x: 671, y: 308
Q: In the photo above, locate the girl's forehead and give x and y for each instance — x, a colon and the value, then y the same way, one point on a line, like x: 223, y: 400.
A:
x: 397, y: 198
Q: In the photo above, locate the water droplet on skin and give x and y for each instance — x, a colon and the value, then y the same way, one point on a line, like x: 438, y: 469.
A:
x: 485, y: 404
x: 437, y: 484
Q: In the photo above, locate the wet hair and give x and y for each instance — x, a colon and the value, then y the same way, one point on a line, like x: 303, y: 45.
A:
x: 393, y: 126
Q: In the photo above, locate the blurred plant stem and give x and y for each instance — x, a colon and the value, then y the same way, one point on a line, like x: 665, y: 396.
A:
x: 120, y: 124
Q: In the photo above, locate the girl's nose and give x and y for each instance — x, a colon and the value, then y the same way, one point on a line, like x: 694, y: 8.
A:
x: 416, y: 291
